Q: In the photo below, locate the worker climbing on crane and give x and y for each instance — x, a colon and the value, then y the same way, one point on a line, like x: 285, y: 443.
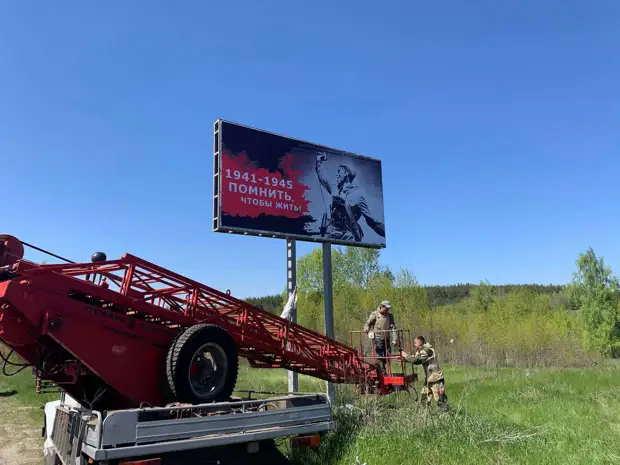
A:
x: 381, y: 327
x: 433, y: 377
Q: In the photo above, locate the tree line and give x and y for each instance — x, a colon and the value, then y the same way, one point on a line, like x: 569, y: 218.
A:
x: 437, y: 295
x: 503, y: 325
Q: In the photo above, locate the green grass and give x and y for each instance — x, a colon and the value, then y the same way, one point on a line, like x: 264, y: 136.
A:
x: 21, y: 389
x: 507, y: 416
x: 504, y: 416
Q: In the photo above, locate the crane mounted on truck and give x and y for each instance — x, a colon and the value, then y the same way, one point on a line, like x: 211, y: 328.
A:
x: 127, y: 335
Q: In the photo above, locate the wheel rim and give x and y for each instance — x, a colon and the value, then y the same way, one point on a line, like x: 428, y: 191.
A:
x: 208, y: 370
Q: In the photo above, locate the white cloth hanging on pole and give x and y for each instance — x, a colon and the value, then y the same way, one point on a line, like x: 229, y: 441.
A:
x: 291, y: 305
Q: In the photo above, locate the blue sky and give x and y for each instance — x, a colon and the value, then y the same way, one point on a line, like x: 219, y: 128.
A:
x: 497, y: 123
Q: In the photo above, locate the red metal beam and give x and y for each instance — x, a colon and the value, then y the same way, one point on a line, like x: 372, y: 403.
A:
x: 137, y: 296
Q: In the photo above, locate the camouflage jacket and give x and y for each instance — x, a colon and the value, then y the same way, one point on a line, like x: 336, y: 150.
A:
x: 427, y: 357
x: 378, y: 321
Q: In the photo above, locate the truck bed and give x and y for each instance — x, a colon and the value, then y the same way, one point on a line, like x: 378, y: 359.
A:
x: 162, y: 430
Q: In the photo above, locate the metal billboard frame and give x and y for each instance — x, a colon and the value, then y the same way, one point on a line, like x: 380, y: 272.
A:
x: 217, y: 192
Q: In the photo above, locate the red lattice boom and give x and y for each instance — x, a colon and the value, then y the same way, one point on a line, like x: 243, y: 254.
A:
x: 114, y: 320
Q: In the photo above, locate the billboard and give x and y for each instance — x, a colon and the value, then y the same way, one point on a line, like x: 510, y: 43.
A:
x: 275, y: 186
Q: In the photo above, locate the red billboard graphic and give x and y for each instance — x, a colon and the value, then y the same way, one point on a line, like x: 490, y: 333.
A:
x: 250, y: 191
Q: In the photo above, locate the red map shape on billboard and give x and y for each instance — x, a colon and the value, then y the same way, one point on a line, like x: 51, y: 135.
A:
x: 248, y: 191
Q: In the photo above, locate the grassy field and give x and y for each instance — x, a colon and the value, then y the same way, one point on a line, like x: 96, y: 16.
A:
x: 506, y: 416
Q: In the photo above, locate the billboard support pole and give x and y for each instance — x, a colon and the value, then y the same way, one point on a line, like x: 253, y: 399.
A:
x: 328, y: 305
x: 291, y: 284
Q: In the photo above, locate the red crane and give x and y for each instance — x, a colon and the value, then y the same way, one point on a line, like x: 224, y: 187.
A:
x: 128, y: 332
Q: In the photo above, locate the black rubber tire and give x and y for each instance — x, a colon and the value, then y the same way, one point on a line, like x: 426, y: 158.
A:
x: 180, y: 356
x: 169, y: 396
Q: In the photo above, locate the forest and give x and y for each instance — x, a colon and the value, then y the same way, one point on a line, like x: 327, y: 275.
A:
x: 437, y: 295
x: 569, y: 324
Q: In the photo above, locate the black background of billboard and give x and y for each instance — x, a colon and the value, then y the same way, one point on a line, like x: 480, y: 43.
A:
x: 266, y: 150
x: 262, y: 147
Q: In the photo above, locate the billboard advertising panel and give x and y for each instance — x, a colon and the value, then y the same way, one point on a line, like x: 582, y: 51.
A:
x: 275, y: 186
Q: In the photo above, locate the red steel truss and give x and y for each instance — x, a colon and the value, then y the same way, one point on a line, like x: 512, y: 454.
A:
x: 114, y: 320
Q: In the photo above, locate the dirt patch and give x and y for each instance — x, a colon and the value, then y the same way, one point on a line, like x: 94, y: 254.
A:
x: 20, y: 438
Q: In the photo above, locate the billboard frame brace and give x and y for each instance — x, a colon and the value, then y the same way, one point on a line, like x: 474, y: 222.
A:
x: 291, y: 284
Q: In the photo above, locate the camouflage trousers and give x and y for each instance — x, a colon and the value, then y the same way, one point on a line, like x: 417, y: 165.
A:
x: 434, y: 388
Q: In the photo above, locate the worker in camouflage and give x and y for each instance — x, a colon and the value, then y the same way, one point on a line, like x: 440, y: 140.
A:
x: 433, y: 377
x: 381, y: 328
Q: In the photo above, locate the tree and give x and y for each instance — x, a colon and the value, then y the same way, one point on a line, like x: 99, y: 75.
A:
x: 595, y: 292
x: 270, y: 303
x: 355, y: 267
x: 482, y: 296
x: 405, y: 279
x: 361, y: 265
x: 387, y: 274
x: 310, y: 273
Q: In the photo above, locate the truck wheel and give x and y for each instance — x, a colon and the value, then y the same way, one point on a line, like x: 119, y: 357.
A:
x: 169, y: 395
x: 202, y: 365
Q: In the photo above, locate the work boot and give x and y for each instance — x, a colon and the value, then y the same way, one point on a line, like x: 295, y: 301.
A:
x: 443, y: 404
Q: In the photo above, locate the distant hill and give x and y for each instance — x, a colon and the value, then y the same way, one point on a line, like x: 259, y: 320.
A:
x: 437, y: 295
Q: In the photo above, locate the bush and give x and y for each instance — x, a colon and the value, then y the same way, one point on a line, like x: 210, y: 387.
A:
x: 519, y: 328
x: 483, y: 325
x: 596, y: 292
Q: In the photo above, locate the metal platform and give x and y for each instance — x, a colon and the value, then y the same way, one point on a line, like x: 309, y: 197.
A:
x: 142, y: 432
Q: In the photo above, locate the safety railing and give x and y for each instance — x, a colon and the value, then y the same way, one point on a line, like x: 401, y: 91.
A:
x: 383, y: 347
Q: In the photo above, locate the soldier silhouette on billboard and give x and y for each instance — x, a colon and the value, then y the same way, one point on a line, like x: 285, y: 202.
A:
x: 347, y: 207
